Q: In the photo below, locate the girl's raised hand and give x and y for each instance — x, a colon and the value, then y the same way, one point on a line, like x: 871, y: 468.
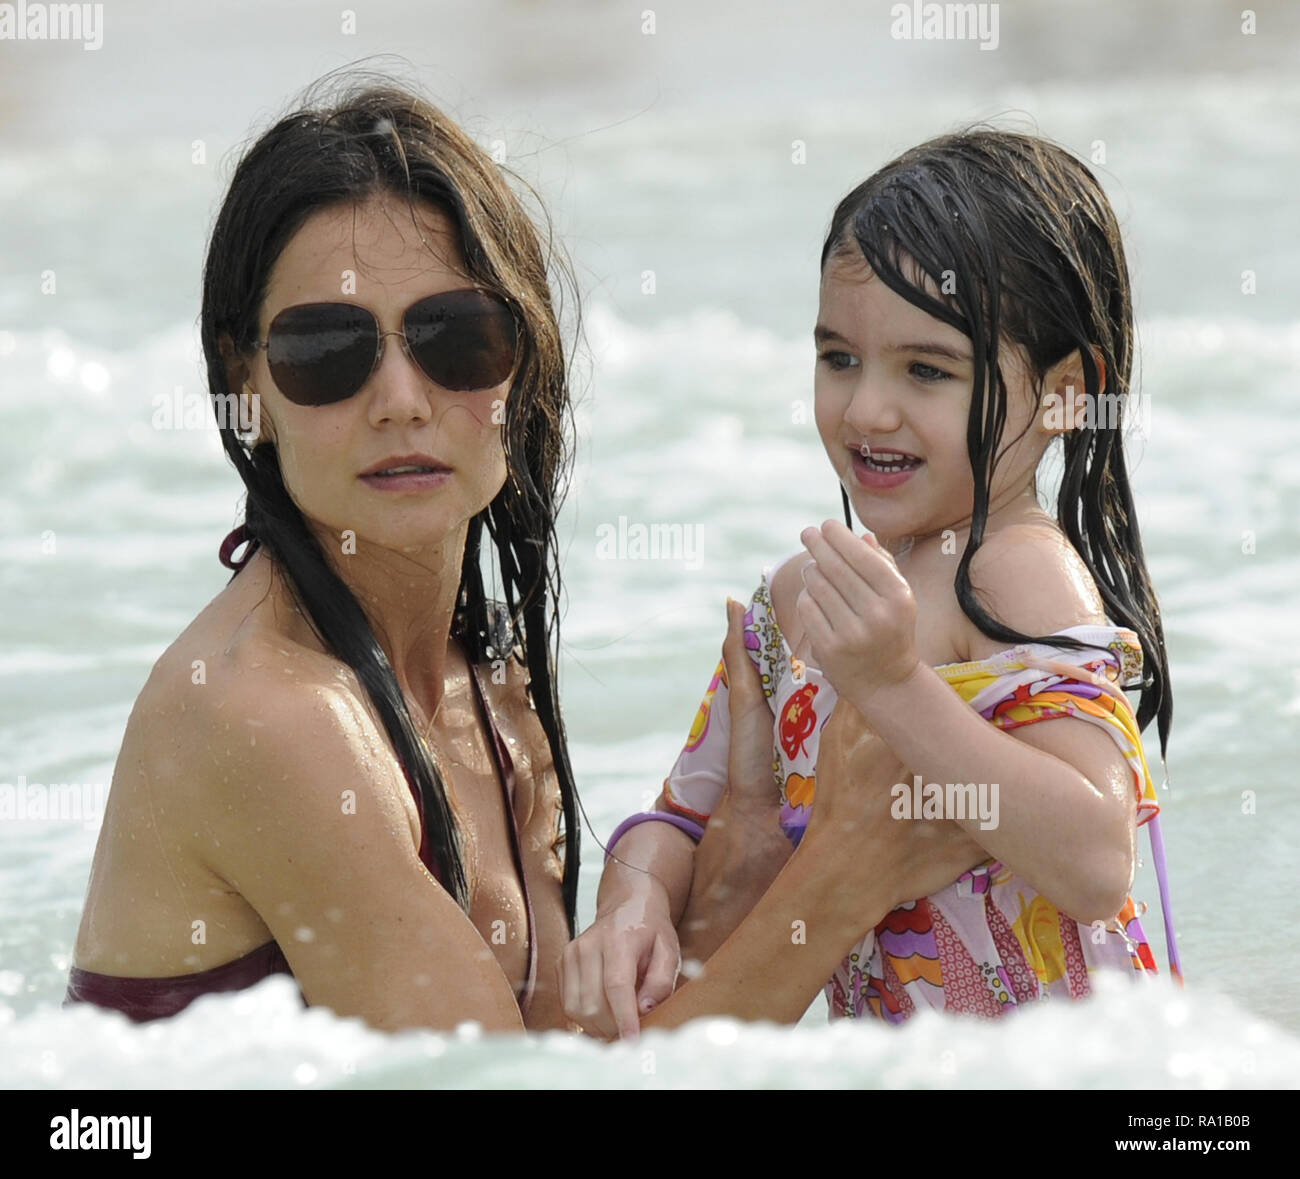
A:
x: 857, y: 612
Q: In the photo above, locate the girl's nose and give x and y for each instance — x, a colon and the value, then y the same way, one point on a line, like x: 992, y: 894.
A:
x: 873, y: 410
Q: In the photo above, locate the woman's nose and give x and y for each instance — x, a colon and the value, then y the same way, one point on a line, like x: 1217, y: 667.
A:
x: 400, y: 388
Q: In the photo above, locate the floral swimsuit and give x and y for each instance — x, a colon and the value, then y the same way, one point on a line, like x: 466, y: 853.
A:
x: 989, y: 941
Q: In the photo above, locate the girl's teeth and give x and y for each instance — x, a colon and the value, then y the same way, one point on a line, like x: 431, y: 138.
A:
x: 891, y: 463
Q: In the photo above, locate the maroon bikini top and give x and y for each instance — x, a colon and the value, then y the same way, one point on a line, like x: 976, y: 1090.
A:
x: 143, y: 999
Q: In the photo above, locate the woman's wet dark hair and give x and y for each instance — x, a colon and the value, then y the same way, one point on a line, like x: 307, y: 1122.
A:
x: 1008, y: 236
x: 372, y: 137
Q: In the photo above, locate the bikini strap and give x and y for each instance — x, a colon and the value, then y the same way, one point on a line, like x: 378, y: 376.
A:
x: 506, y: 776
x: 234, y: 539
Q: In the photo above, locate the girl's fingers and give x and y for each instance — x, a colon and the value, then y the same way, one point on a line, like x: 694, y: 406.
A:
x: 855, y: 589
x: 865, y: 557
x: 840, y: 614
x: 570, y: 980
x: 594, y: 1011
x: 816, y: 626
x: 620, y: 993
x: 661, y: 974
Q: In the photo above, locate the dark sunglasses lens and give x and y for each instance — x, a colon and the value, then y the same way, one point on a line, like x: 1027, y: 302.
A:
x: 320, y: 353
x: 463, y: 340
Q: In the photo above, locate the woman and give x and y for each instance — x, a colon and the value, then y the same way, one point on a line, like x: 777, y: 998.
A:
x: 352, y: 766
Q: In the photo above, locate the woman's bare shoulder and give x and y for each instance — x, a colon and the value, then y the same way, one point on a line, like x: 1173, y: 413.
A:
x: 306, y: 816
x: 216, y: 703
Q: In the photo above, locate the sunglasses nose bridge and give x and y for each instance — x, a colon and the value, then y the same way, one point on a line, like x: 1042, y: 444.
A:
x: 382, y: 343
x: 405, y: 346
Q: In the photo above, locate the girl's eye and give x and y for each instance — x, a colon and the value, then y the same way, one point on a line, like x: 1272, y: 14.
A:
x: 838, y: 361
x: 928, y: 373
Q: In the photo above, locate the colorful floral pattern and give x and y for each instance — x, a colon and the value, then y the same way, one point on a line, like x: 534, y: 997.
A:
x: 988, y: 942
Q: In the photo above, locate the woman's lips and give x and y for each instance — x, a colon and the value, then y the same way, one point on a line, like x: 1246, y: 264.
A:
x: 411, y: 481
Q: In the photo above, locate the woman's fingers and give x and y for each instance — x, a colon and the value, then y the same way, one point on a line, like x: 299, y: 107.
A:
x: 749, y: 746
x: 855, y: 774
x: 936, y: 852
x: 744, y: 688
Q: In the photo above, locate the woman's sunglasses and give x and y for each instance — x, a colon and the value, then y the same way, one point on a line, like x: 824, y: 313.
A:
x: 320, y: 353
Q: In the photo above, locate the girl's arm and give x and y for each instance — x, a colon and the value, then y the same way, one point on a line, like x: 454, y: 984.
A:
x: 1066, y: 814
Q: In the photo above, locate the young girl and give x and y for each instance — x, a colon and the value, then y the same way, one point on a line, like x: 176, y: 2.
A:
x: 975, y: 308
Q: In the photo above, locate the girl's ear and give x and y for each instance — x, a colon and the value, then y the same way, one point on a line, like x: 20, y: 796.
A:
x: 1065, y: 402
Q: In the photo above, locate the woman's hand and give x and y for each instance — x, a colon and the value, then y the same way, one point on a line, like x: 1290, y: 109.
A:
x: 852, y: 828
x: 624, y: 964
x: 752, y: 786
x: 857, y: 612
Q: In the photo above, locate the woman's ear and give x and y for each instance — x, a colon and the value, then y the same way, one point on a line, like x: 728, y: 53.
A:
x: 236, y: 366
x: 238, y: 386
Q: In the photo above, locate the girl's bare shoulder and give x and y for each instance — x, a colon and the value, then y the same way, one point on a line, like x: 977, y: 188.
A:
x: 1030, y: 577
x: 785, y: 583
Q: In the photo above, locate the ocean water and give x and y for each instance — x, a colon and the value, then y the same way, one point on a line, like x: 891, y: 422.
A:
x: 670, y: 153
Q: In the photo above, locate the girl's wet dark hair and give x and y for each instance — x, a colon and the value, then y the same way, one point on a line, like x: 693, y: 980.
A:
x: 1009, y: 236
x: 374, y: 138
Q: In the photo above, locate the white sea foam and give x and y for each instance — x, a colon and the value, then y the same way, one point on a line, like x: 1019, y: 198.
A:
x: 1167, y: 1039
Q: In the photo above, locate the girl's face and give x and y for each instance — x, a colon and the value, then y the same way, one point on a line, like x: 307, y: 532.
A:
x: 375, y: 251
x: 892, y: 376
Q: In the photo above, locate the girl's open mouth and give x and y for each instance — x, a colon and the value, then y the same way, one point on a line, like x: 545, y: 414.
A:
x: 884, y: 469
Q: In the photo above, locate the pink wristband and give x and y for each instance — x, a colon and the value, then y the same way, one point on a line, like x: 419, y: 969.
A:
x: 694, y: 830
